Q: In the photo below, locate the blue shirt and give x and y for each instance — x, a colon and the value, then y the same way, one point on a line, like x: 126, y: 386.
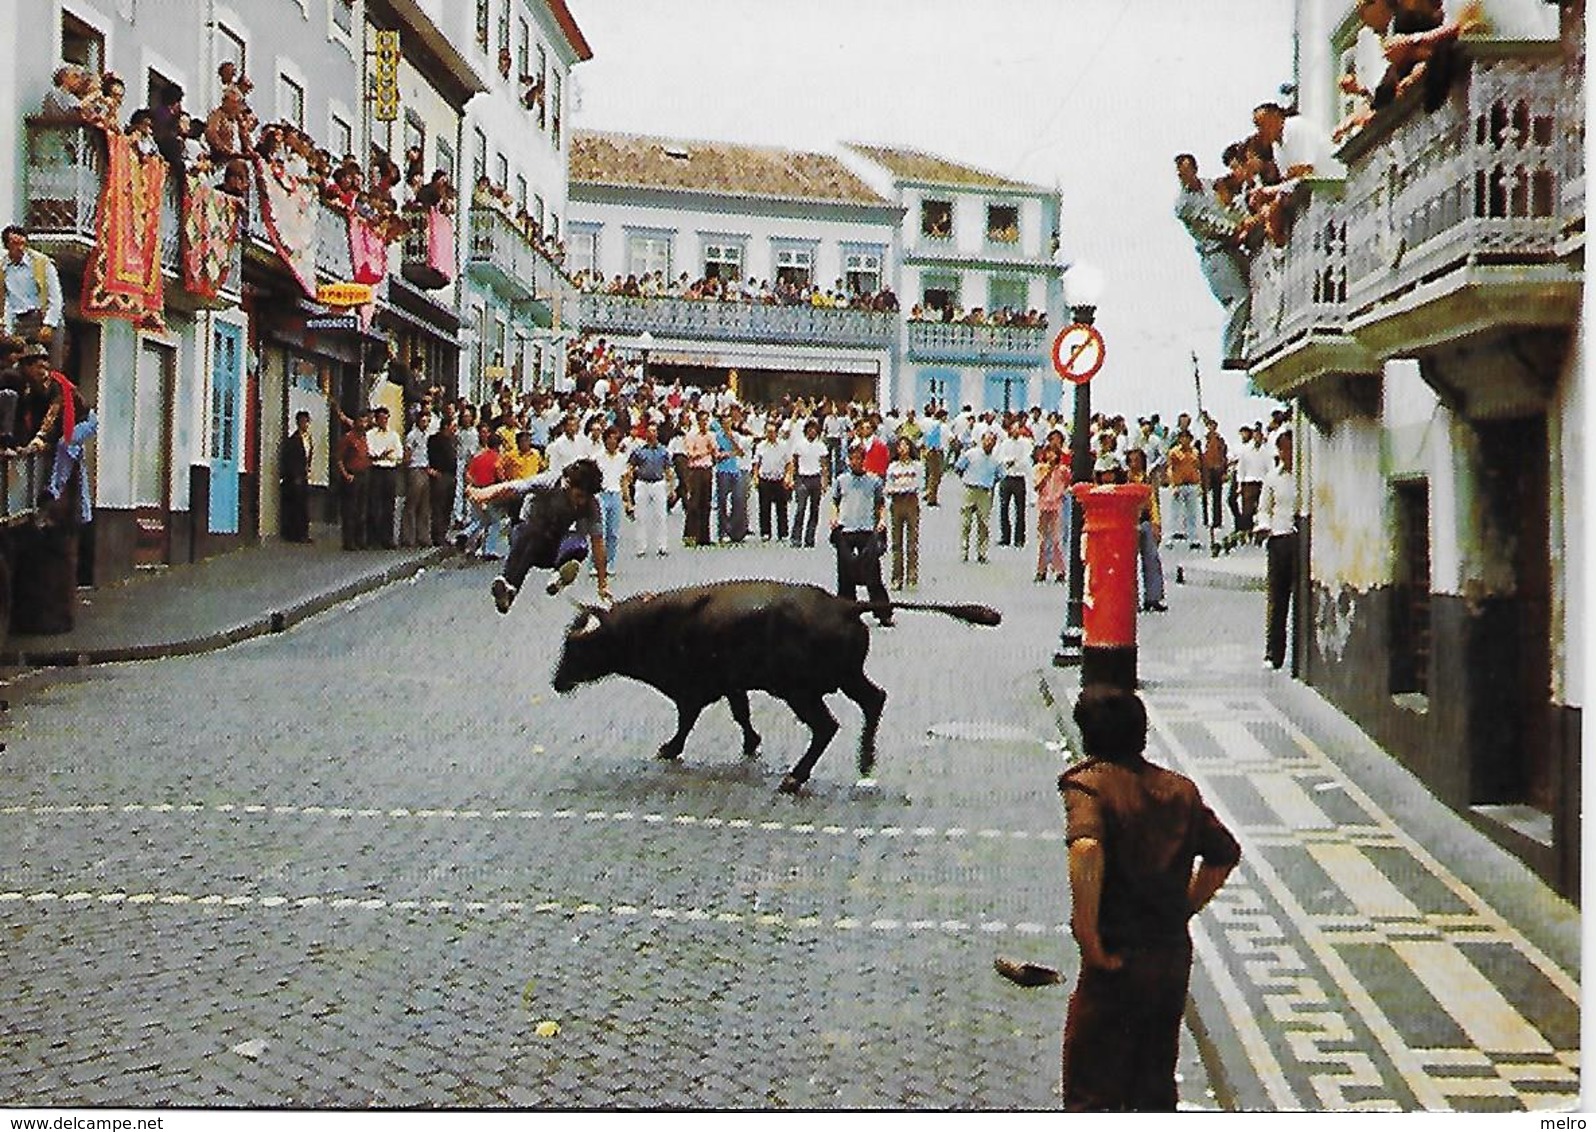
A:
x: 979, y: 468
x: 726, y: 461
x: 649, y: 462
x: 857, y: 498
x: 933, y: 435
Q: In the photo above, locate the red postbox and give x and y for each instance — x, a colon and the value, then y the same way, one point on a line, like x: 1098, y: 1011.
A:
x: 1111, y: 521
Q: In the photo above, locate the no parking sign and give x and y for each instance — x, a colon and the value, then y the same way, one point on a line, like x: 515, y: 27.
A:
x: 1078, y: 352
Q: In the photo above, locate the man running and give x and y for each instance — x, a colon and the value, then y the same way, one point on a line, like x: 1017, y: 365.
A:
x: 559, y: 523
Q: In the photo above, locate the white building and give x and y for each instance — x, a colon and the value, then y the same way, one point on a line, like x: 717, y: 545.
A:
x: 1425, y: 317
x: 751, y: 214
x: 978, y: 267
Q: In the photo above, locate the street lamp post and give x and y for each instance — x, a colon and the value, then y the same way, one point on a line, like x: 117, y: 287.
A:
x: 1083, y: 286
x: 645, y: 343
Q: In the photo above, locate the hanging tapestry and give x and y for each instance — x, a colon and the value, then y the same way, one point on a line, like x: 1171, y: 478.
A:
x: 123, y: 276
x: 368, y: 250
x: 288, y: 207
x: 210, y: 237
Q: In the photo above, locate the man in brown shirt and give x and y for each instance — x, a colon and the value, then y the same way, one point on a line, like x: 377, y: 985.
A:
x: 1216, y: 460
x: 1134, y: 831
x: 354, y: 470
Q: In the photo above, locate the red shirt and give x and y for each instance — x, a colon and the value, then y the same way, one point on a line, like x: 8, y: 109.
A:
x: 483, y: 469
x: 877, y: 457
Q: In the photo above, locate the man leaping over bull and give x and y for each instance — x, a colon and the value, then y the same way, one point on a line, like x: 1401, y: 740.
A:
x: 560, y: 522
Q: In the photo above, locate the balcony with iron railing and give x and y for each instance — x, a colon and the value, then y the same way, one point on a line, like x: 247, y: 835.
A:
x: 977, y: 342
x: 708, y: 319
x: 503, y: 255
x: 22, y: 478
x: 63, y: 178
x: 1450, y: 223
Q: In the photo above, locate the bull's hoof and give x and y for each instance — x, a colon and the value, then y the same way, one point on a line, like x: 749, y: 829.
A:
x: 668, y: 754
x: 790, y: 785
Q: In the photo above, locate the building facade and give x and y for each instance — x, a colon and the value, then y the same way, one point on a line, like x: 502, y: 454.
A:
x: 742, y: 215
x: 979, y: 279
x: 968, y: 257
x: 194, y: 403
x: 1425, y: 318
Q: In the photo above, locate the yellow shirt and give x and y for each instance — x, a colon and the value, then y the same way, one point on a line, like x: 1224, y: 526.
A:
x: 515, y: 466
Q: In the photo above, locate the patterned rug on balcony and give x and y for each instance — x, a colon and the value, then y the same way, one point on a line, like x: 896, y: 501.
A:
x: 210, y: 235
x: 123, y: 275
x: 368, y: 250
x: 288, y: 207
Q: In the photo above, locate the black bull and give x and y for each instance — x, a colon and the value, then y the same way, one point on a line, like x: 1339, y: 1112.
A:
x: 705, y: 643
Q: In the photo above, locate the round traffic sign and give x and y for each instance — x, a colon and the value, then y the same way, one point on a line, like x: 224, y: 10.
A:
x: 1078, y: 352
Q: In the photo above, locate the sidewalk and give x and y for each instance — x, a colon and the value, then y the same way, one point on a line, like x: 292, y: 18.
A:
x: 208, y: 605
x: 1373, y: 951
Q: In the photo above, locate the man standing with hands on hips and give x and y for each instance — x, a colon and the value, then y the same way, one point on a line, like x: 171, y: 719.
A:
x: 1135, y: 833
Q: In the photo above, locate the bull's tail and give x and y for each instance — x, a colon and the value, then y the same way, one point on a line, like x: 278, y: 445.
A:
x: 971, y: 612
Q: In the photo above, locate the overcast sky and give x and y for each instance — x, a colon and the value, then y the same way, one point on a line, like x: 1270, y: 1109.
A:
x: 1096, y: 96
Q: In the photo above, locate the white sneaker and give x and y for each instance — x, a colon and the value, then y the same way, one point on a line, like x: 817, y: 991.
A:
x: 640, y: 553
x: 503, y: 594
x: 564, y: 576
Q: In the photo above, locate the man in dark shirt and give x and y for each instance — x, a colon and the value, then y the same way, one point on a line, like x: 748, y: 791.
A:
x: 443, y: 465
x: 354, y: 470
x: 560, y: 521
x: 1134, y: 831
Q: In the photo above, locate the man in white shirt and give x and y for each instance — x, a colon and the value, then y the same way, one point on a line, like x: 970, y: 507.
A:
x: 771, y: 459
x: 34, y: 307
x: 1253, y: 462
x: 807, y: 474
x: 387, y: 450
x: 1014, y: 456
x: 1277, y: 521
x: 567, y: 447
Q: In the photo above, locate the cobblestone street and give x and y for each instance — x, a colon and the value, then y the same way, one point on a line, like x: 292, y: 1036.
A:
x: 375, y: 861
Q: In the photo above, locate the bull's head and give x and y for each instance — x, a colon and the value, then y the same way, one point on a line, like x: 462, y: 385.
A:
x: 587, y: 654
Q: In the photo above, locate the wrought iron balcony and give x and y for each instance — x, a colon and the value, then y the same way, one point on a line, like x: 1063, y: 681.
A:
x: 669, y: 317
x: 63, y: 178
x: 502, y: 254
x: 22, y: 478
x: 966, y: 342
x: 1449, y: 223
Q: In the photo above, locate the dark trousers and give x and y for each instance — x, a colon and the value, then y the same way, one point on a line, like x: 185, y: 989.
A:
x: 528, y: 551
x: 442, y: 487
x: 859, y: 563
x: 1213, y: 497
x: 356, y: 504
x: 1011, y: 491
x: 727, y: 488
x: 384, y: 490
x: 296, y: 511
x: 700, y: 494
x: 1250, y: 491
x: 772, y: 497
x: 1282, y: 580
x: 1122, y: 1032
x: 805, y: 510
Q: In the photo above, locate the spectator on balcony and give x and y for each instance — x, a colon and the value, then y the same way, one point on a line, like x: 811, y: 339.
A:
x: 35, y: 310
x: 438, y: 193
x: 229, y: 78
x: 1299, y: 150
x: 171, y: 133
x: 103, y: 107
x: 1218, y: 234
x: 140, y: 129
x: 1419, y: 44
x: 225, y: 129
x: 72, y: 86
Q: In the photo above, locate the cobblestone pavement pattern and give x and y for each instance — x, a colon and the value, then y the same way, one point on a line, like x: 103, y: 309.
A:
x: 376, y: 861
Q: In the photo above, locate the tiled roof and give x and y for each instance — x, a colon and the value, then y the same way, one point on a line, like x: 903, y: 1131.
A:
x: 714, y: 167
x: 912, y: 165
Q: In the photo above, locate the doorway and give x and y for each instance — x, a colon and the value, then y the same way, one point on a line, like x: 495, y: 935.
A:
x: 154, y: 379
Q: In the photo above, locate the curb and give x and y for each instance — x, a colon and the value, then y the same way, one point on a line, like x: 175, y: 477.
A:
x: 1219, y: 578
x: 272, y: 621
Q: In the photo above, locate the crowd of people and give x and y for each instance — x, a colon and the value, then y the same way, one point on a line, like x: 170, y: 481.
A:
x: 978, y: 316
x: 219, y: 146
x: 712, y: 288
x: 1401, y: 44
x: 486, y: 194
x: 695, y: 468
